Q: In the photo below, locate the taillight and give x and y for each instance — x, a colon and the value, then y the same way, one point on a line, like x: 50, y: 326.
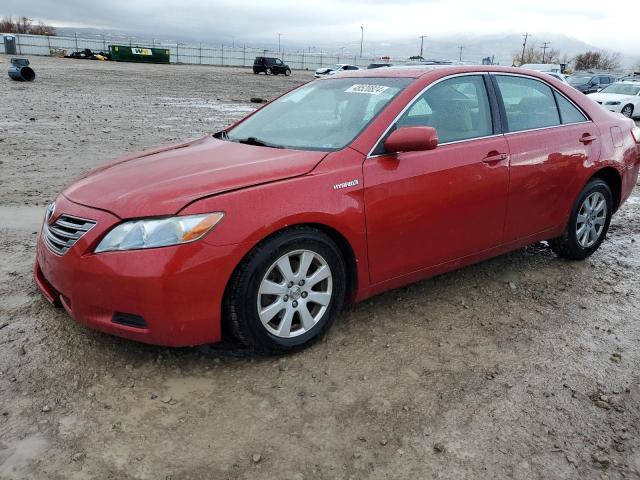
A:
x: 635, y: 132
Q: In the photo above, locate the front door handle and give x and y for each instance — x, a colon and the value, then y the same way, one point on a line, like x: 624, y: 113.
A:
x: 494, y: 157
x: 587, y: 138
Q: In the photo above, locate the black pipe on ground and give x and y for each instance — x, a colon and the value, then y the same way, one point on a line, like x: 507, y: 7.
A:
x: 21, y: 71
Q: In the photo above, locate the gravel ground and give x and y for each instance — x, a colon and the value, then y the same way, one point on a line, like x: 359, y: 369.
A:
x: 524, y: 366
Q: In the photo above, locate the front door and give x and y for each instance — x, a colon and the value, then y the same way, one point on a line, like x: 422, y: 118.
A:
x: 426, y: 208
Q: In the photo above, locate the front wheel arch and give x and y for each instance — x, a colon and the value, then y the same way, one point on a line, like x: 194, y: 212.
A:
x: 338, y: 238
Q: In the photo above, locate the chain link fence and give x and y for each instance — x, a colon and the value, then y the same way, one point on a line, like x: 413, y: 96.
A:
x: 185, y: 53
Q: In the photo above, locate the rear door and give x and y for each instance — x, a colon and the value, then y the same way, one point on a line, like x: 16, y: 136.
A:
x: 550, y: 140
x: 426, y: 208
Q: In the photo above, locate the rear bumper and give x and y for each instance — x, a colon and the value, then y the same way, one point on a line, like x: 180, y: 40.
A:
x: 177, y: 290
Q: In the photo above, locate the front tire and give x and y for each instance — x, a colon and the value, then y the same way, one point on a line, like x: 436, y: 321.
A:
x: 588, y: 223
x: 287, y: 72
x: 287, y: 292
x: 627, y: 111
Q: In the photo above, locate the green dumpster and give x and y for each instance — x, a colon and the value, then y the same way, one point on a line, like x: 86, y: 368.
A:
x: 125, y: 53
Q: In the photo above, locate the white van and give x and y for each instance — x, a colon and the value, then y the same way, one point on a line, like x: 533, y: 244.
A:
x: 543, y: 67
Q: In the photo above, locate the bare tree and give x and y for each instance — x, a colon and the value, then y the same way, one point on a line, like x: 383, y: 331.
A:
x: 25, y: 25
x: 533, y: 54
x: 593, y: 60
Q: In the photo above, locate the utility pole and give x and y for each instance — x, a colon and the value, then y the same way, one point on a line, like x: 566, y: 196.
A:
x: 544, y: 47
x: 361, y: 39
x: 460, y: 47
x: 279, y: 35
x: 422, y: 37
x: 524, y: 46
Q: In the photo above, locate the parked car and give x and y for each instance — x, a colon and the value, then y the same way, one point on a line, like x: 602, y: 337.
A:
x: 378, y: 65
x: 590, y: 82
x: 270, y: 65
x: 333, y: 69
x: 620, y: 97
x: 543, y: 67
x: 339, y: 190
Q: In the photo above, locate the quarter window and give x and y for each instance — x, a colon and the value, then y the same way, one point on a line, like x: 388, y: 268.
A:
x: 568, y: 112
x: 458, y: 108
x: 528, y: 103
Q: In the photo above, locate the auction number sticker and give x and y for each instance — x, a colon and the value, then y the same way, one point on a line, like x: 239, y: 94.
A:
x: 368, y: 89
x: 141, y: 51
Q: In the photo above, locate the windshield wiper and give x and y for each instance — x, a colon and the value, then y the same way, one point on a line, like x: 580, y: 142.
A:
x: 222, y: 135
x: 258, y: 142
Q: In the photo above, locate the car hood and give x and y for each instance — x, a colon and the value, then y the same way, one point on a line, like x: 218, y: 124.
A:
x: 611, y: 97
x: 164, y: 180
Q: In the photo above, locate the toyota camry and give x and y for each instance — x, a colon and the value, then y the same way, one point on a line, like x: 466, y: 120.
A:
x: 341, y: 189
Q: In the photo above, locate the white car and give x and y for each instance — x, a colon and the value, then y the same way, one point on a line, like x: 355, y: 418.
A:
x: 333, y: 69
x: 621, y: 97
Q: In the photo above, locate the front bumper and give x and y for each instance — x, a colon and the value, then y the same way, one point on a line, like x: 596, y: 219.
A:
x: 177, y: 290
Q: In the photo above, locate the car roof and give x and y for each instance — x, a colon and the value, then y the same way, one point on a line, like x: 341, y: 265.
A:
x: 417, y: 71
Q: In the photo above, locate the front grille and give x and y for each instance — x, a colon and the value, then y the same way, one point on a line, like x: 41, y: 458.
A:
x: 65, y: 232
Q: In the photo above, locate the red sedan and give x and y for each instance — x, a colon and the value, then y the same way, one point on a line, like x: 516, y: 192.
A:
x: 340, y: 189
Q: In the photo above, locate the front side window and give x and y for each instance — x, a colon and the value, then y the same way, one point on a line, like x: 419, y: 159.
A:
x: 322, y: 115
x: 528, y: 103
x: 458, y: 108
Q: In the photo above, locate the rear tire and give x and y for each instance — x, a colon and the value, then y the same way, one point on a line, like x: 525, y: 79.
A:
x: 588, y: 223
x: 273, y: 311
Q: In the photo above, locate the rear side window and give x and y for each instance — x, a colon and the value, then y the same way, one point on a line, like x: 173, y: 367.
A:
x: 457, y: 108
x: 568, y: 112
x: 528, y: 103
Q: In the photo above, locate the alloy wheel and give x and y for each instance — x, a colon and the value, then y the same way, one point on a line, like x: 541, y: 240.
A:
x: 591, y: 219
x: 295, y: 293
x: 627, y: 111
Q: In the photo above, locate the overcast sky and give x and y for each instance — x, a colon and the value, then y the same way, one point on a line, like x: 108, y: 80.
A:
x: 327, y: 21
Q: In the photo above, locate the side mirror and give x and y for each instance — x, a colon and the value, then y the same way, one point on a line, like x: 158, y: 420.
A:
x: 411, y: 139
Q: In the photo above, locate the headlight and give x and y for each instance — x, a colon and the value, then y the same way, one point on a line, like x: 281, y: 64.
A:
x: 612, y: 103
x: 158, y: 232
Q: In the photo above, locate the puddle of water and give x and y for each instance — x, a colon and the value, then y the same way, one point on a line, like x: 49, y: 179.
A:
x: 21, y: 217
x: 204, y: 103
x: 16, y: 459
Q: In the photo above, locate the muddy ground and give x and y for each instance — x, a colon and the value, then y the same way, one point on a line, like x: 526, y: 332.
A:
x: 525, y: 366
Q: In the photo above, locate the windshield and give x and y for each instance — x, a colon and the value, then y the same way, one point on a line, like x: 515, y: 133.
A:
x: 578, y: 79
x: 322, y: 115
x: 622, y: 89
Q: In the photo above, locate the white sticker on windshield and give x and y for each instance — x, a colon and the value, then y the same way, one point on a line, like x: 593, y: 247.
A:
x: 369, y: 89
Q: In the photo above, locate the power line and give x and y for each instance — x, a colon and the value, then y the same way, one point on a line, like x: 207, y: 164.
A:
x: 422, y: 37
x: 544, y: 47
x: 524, y: 46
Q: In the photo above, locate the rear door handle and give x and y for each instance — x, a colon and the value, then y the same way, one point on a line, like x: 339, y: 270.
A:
x: 586, y: 138
x: 494, y: 157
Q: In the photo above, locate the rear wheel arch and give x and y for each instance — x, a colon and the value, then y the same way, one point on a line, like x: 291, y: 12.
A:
x: 613, y: 179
